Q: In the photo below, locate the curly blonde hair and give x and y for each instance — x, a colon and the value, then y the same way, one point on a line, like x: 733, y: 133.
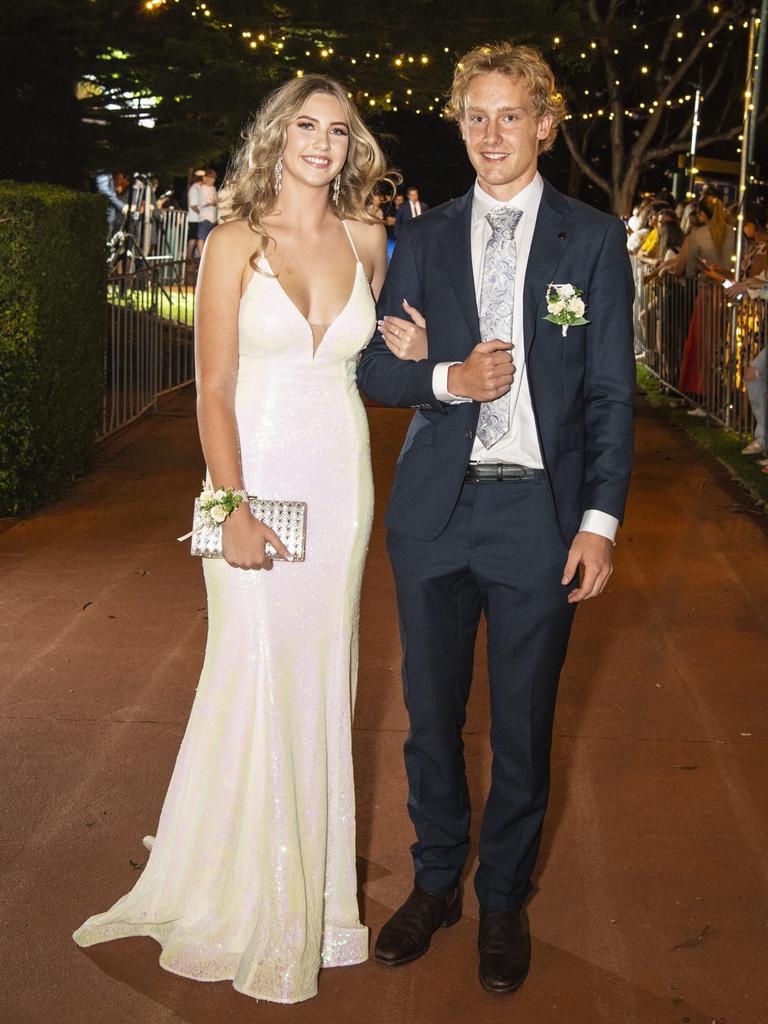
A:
x: 249, y: 184
x: 522, y: 63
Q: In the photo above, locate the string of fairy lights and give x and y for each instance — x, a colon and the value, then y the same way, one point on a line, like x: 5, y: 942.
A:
x: 413, y: 96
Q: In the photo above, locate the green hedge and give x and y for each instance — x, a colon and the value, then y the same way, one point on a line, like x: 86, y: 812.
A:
x: 53, y: 331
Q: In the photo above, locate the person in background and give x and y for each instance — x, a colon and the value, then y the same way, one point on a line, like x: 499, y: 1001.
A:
x: 161, y: 200
x: 193, y: 214
x: 668, y: 246
x: 658, y: 324
x: 106, y: 184
x: 207, y: 207
x: 706, y: 250
x: 637, y: 226
x: 413, y: 206
x: 649, y: 250
x: 754, y: 283
x: 691, y: 217
x: 374, y: 206
x: 390, y: 214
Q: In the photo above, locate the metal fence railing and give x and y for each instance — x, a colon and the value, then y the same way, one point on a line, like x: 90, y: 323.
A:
x: 150, y: 348
x: 700, y: 344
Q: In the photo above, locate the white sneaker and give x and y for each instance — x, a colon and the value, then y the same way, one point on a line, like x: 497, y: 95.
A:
x: 753, y: 448
x: 696, y: 412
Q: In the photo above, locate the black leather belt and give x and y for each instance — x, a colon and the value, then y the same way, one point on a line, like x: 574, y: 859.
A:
x: 479, y: 472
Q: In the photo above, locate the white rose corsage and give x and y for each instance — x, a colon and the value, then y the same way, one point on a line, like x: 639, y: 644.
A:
x: 216, y: 506
x: 565, y: 306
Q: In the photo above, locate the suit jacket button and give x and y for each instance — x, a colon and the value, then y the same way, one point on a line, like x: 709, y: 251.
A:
x: 469, y: 435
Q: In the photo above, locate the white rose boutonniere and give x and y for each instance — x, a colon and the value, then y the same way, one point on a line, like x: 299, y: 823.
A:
x: 565, y: 306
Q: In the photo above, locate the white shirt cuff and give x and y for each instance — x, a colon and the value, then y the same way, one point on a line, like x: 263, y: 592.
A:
x: 595, y: 521
x: 440, y: 385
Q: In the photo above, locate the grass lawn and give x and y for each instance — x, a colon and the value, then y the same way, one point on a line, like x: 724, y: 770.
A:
x: 721, y: 444
x: 172, y: 303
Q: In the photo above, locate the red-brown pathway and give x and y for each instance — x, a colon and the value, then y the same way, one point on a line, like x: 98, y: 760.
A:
x: 652, y: 899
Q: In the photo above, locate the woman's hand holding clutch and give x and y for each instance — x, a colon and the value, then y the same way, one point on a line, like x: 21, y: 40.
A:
x: 244, y: 538
x: 407, y: 339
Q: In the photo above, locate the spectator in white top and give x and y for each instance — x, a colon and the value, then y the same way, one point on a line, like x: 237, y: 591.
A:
x: 207, y: 204
x: 193, y: 215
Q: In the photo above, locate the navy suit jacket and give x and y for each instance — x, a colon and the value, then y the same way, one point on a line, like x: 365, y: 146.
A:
x: 404, y: 213
x: 582, y: 385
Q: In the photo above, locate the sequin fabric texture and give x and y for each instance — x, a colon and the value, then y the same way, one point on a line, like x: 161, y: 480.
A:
x: 497, y: 297
x: 251, y: 876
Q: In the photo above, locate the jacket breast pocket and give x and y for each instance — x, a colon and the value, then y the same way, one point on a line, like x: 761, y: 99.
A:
x: 571, y: 437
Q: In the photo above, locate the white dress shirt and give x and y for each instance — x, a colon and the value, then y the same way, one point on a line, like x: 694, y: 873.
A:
x: 520, y: 445
x: 415, y: 207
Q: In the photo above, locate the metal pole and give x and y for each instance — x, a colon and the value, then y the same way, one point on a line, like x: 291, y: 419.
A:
x: 758, y: 77
x: 694, y: 137
x: 746, y: 142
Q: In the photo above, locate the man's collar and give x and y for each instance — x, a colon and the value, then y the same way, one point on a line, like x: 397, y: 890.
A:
x: 526, y: 199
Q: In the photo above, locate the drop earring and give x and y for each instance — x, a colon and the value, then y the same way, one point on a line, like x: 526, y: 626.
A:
x: 279, y: 175
x: 336, y: 189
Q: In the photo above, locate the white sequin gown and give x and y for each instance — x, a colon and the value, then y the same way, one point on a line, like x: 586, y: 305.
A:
x: 252, y: 873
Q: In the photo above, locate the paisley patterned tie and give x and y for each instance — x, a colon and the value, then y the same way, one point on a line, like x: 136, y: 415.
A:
x: 497, y: 299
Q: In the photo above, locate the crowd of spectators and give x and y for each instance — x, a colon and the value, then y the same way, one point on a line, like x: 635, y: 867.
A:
x: 697, y: 239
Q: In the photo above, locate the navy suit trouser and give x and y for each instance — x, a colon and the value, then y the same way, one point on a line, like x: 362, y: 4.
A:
x: 501, y: 554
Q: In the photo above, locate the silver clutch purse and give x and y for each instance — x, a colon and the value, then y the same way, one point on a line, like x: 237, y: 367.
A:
x: 288, y: 519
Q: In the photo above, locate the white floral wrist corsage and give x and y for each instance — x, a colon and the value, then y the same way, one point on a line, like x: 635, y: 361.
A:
x: 216, y: 506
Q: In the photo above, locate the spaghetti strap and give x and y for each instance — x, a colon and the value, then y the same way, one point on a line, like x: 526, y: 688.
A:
x: 349, y: 236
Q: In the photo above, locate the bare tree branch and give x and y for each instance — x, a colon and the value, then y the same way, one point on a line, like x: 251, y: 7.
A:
x: 646, y: 135
x: 584, y: 165
x: 680, y: 145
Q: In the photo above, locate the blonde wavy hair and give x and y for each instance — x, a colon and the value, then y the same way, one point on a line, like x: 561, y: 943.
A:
x: 716, y: 220
x: 249, y: 184
x: 523, y: 64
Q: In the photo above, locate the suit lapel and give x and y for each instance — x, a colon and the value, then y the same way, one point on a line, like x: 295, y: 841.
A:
x: 456, y: 253
x: 550, y: 238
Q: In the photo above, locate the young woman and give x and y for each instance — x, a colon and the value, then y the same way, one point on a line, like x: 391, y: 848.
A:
x: 754, y: 282
x: 706, y: 250
x: 252, y: 874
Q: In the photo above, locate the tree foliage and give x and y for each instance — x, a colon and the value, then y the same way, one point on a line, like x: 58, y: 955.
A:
x: 632, y: 81
x: 167, y: 84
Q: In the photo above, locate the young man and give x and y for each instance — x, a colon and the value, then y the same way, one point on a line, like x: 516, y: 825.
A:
x: 208, y: 207
x: 194, y: 198
x: 412, y: 206
x: 509, y: 489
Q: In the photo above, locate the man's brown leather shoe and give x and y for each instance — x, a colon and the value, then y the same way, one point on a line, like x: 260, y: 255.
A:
x: 407, y: 934
x: 504, y: 941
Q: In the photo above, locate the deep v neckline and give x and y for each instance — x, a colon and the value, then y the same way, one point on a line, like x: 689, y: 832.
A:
x: 316, y: 347
x: 292, y: 304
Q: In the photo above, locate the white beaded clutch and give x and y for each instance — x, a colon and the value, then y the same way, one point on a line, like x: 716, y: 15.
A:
x: 288, y: 519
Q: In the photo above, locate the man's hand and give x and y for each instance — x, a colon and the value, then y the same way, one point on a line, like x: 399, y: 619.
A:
x: 407, y: 339
x: 591, y: 555
x: 486, y: 374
